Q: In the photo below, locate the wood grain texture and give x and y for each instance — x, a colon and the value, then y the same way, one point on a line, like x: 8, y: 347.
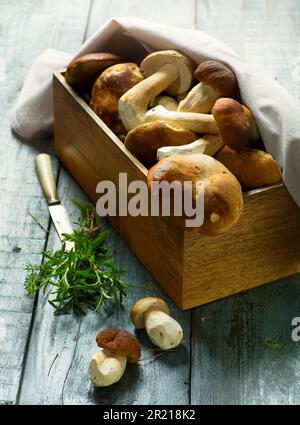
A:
x: 192, y: 268
x: 180, y: 13
x: 165, y: 380
x: 263, y: 246
x: 73, y: 339
x: 27, y: 28
x: 230, y: 362
x: 92, y: 153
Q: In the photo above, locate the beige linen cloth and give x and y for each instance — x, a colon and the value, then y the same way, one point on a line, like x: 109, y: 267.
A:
x: 276, y: 113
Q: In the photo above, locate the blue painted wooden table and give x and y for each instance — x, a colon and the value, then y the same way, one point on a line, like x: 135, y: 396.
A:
x: 223, y: 358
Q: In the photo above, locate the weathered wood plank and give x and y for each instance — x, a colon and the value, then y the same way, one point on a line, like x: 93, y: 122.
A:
x: 28, y: 27
x: 231, y: 363
x: 165, y: 380
x: 180, y: 13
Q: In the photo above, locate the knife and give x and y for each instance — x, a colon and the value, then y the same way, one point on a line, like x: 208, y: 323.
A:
x: 58, y: 212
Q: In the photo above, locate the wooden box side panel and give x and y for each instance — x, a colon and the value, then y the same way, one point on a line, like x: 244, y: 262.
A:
x: 262, y: 247
x: 92, y: 153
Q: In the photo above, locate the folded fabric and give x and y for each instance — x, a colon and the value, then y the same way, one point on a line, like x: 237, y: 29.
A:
x: 276, y: 113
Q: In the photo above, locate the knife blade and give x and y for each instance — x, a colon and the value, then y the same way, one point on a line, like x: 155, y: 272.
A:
x: 58, y: 212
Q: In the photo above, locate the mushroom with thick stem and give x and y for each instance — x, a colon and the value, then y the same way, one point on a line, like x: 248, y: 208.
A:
x: 252, y: 167
x: 83, y: 71
x: 236, y: 123
x: 144, y: 140
x: 223, y: 198
x: 166, y: 70
x: 216, y: 80
x: 107, y: 90
x: 153, y: 314
x: 167, y: 102
x: 231, y: 120
x: 209, y: 145
x: 118, y: 347
x: 200, y: 123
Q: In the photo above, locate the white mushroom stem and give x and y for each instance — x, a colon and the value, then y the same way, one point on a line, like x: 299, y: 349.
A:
x: 106, y: 369
x: 162, y: 329
x: 208, y: 145
x: 200, y: 99
x: 134, y: 103
x: 167, y: 102
x: 200, y: 123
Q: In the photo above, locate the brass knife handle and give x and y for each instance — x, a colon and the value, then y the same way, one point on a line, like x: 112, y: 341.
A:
x: 45, y: 174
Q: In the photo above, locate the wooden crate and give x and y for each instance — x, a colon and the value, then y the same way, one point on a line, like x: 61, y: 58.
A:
x: 193, y: 269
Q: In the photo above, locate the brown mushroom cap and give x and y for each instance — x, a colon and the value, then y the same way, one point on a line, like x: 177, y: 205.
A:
x: 144, y: 140
x: 255, y: 136
x: 223, y: 199
x: 119, y: 342
x: 219, y: 77
x: 156, y: 60
x: 234, y: 124
x: 83, y: 71
x: 107, y: 90
x: 252, y: 167
x: 140, y: 307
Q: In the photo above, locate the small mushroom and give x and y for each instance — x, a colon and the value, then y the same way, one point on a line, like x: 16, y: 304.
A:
x: 166, y: 70
x: 200, y: 123
x: 107, y: 90
x: 235, y: 122
x: 108, y: 365
x: 167, y: 102
x: 223, y: 198
x: 216, y: 80
x: 83, y: 71
x: 153, y: 314
x: 252, y: 167
x: 144, y: 140
x: 208, y: 145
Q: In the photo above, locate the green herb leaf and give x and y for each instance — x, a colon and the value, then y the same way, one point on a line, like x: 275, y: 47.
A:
x: 270, y: 344
x: 84, y: 278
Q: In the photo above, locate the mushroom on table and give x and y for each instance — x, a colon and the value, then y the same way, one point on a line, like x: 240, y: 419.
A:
x: 108, y: 365
x: 153, y: 314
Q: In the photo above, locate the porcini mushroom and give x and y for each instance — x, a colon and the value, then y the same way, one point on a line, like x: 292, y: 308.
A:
x: 144, y: 140
x: 236, y: 124
x: 223, y: 199
x: 167, y: 102
x: 166, y: 70
x: 83, y: 71
x: 107, y: 90
x: 208, y: 145
x: 153, y: 314
x: 200, y: 123
x: 108, y: 366
x: 216, y: 80
x: 252, y: 167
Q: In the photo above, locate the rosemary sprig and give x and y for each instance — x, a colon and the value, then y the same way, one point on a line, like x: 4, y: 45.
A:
x: 86, y: 277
